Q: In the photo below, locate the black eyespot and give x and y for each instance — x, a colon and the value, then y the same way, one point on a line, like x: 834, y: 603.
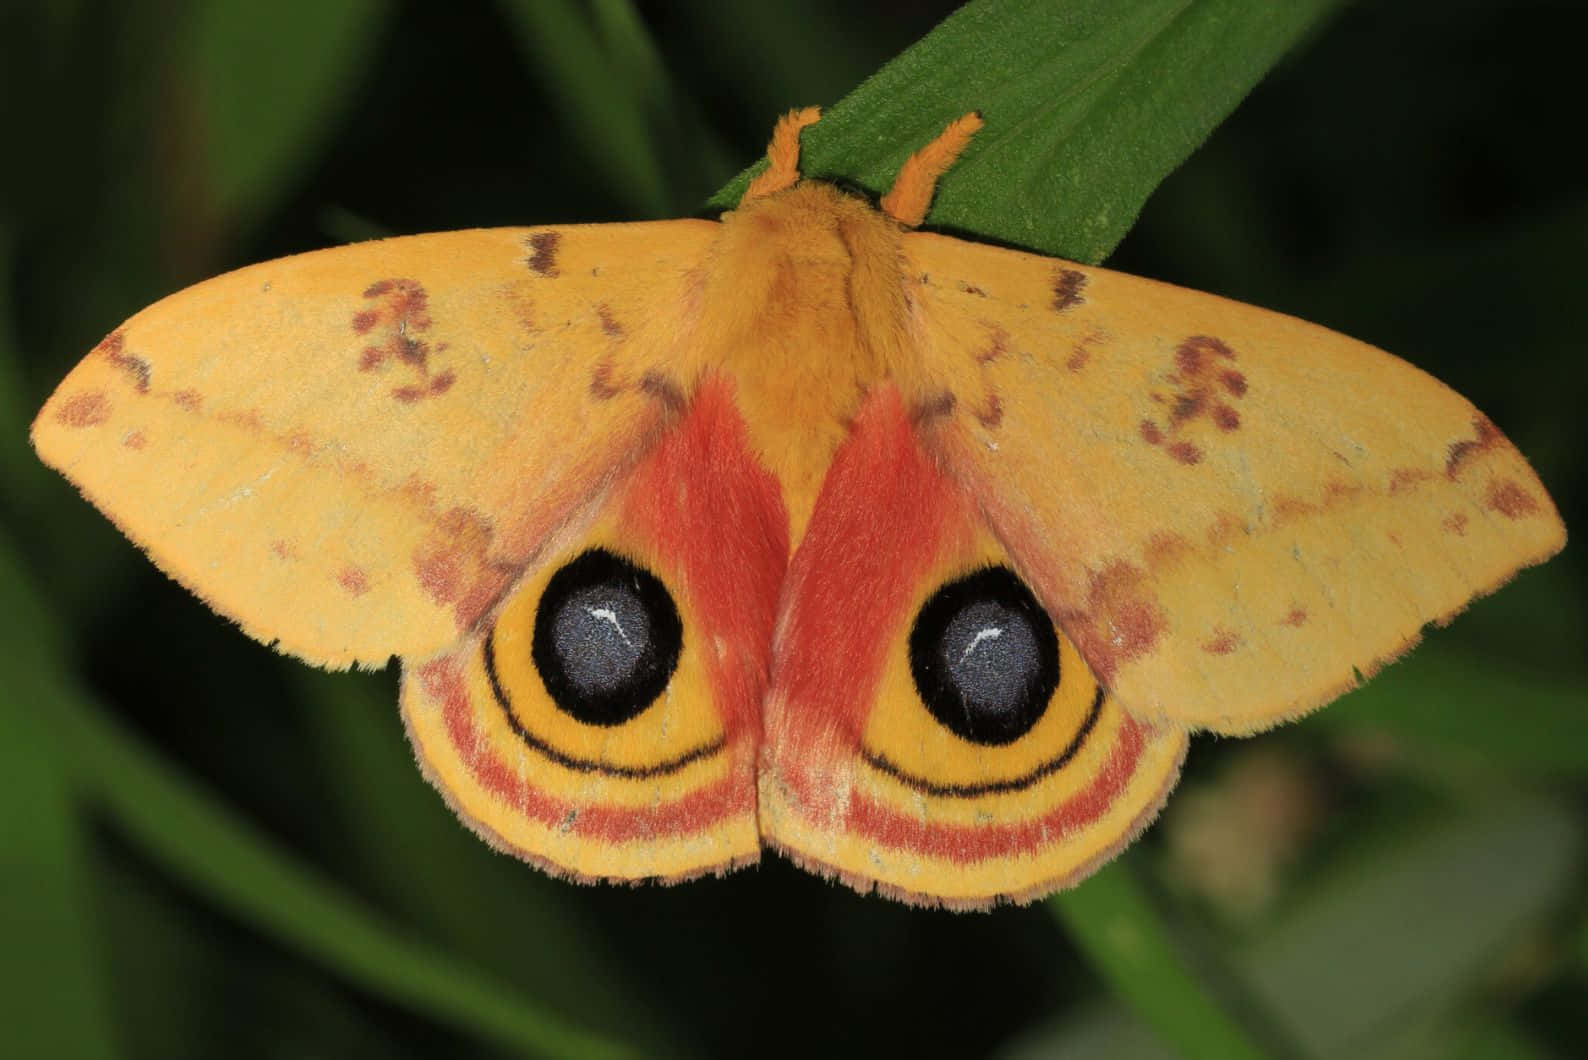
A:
x: 984, y: 657
x: 607, y: 637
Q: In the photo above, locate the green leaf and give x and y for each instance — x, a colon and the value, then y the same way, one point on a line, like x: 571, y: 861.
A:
x: 1088, y: 105
x: 1380, y: 952
x: 54, y: 1000
x: 1472, y: 714
x: 1126, y: 938
x: 222, y: 857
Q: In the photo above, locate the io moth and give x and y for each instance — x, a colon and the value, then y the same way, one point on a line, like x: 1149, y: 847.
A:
x: 915, y: 559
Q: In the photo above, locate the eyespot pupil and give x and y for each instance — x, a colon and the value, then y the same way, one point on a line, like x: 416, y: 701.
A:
x: 607, y: 638
x: 991, y: 653
x: 984, y: 656
x: 602, y: 634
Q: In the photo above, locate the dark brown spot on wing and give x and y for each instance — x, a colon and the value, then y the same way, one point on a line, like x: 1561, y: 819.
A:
x: 89, y: 409
x: 1455, y: 523
x: 190, y: 400
x: 1195, y: 395
x: 991, y: 412
x: 1067, y: 287
x: 970, y: 288
x: 113, y: 347
x: 400, y: 322
x: 610, y: 326
x: 1485, y: 436
x: 601, y: 385
x: 1296, y: 617
x: 1511, y: 500
x: 940, y: 405
x: 543, y: 248
x: 997, y: 345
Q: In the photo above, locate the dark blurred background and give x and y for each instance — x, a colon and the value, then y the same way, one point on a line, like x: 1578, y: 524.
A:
x: 1400, y: 875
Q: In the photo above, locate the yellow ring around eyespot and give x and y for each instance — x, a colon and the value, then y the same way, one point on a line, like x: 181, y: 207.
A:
x: 673, y: 732
x: 902, y: 738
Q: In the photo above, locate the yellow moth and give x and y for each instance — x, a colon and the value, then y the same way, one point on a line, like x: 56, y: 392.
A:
x: 913, y: 558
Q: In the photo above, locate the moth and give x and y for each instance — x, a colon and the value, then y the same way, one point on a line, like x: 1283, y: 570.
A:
x: 915, y: 559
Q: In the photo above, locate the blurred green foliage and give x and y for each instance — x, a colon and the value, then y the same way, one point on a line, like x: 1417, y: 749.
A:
x: 209, y: 849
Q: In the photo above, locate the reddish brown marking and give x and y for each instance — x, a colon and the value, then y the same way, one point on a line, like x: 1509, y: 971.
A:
x: 543, y: 252
x: 1485, y: 436
x: 1287, y: 507
x: 190, y: 400
x: 609, y: 323
x: 353, y: 580
x: 1297, y: 617
x: 1511, y: 500
x: 84, y: 410
x: 1222, y: 642
x: 401, y: 318
x: 135, y: 440
x: 991, y: 414
x: 1456, y: 524
x: 1164, y: 548
x: 932, y: 408
x: 1067, y: 287
x: 997, y: 345
x: 1198, y: 386
x: 1337, y: 490
x: 972, y: 289
x: 1225, y: 529
x: 113, y: 347
x: 454, y: 555
x: 1081, y: 352
x: 1150, y: 433
x: 440, y: 384
x: 601, y: 385
x: 282, y: 550
x: 1406, y: 478
x: 1122, y: 621
x: 663, y: 389
x: 693, y: 812
x: 1394, y: 537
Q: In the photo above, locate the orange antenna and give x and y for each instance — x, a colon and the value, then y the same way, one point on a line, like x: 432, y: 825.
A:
x: 783, y: 154
x: 911, y: 194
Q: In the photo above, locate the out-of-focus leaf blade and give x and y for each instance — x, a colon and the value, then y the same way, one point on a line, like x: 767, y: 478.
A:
x: 1088, y: 106
x: 268, y: 82
x: 1368, y: 962
x: 1123, y: 934
x: 221, y: 857
x: 52, y: 993
x: 1473, y: 713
